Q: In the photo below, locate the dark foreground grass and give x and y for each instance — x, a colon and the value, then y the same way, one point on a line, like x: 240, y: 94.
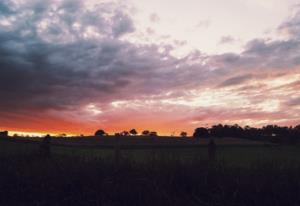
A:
x: 70, y: 179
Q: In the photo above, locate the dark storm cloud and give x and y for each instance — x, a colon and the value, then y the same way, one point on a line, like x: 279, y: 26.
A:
x: 52, y: 67
x: 61, y: 56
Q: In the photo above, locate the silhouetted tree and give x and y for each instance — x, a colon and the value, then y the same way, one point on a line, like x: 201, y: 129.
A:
x: 100, y: 133
x: 145, y: 132
x: 295, y: 134
x: 274, y: 130
x: 297, y: 128
x: 4, y: 134
x: 153, y: 134
x: 217, y: 130
x: 226, y: 130
x: 133, y: 132
x: 124, y: 133
x: 183, y: 134
x: 272, y: 133
x: 200, y: 132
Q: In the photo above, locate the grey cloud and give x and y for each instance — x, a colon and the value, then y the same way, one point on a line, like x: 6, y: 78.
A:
x: 275, y: 54
x: 123, y: 25
x: 260, y: 55
x: 59, y: 68
x: 237, y: 80
x: 293, y: 102
x: 41, y: 74
x: 291, y: 26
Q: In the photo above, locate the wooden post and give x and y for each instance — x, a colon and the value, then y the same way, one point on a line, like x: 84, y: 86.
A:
x: 153, y: 149
x: 211, y: 150
x: 117, y: 151
x: 45, y: 149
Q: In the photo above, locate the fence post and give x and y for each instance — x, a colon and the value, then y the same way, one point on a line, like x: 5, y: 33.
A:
x: 211, y: 150
x: 117, y: 151
x: 45, y: 149
x: 153, y: 149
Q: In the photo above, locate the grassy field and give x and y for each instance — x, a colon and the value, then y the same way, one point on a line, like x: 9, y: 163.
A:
x: 238, y: 152
x: 243, y: 173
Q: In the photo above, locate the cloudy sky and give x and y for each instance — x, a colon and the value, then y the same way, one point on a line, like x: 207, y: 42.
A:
x: 73, y: 66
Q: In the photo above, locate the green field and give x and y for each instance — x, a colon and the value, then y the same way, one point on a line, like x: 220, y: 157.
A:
x: 235, y: 152
x: 85, y: 172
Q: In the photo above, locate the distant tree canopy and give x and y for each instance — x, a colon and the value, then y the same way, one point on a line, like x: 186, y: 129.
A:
x: 200, y: 132
x: 153, y: 134
x: 133, y: 132
x: 183, y: 134
x: 226, y: 130
x: 146, y: 132
x: 124, y: 133
x: 100, y: 133
x: 272, y: 133
x: 62, y: 135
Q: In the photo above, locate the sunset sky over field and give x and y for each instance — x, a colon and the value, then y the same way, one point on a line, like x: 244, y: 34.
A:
x: 73, y: 66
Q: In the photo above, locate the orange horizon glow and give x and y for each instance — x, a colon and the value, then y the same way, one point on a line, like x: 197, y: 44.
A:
x: 40, y: 133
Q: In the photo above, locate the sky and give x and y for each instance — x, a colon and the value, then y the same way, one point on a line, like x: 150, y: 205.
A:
x: 74, y: 66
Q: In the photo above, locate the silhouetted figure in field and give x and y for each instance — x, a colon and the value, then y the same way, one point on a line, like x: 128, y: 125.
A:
x: 45, y: 146
x: 211, y: 150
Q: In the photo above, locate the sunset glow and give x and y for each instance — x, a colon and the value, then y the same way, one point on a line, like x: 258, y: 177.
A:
x: 169, y: 66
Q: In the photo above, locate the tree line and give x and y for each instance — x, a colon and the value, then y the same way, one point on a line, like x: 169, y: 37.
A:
x: 273, y: 133
x: 125, y: 133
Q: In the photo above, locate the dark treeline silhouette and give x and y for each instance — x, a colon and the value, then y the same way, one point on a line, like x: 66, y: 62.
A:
x: 273, y: 133
x: 132, y: 132
x: 183, y: 134
x: 4, y: 134
x: 100, y: 133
